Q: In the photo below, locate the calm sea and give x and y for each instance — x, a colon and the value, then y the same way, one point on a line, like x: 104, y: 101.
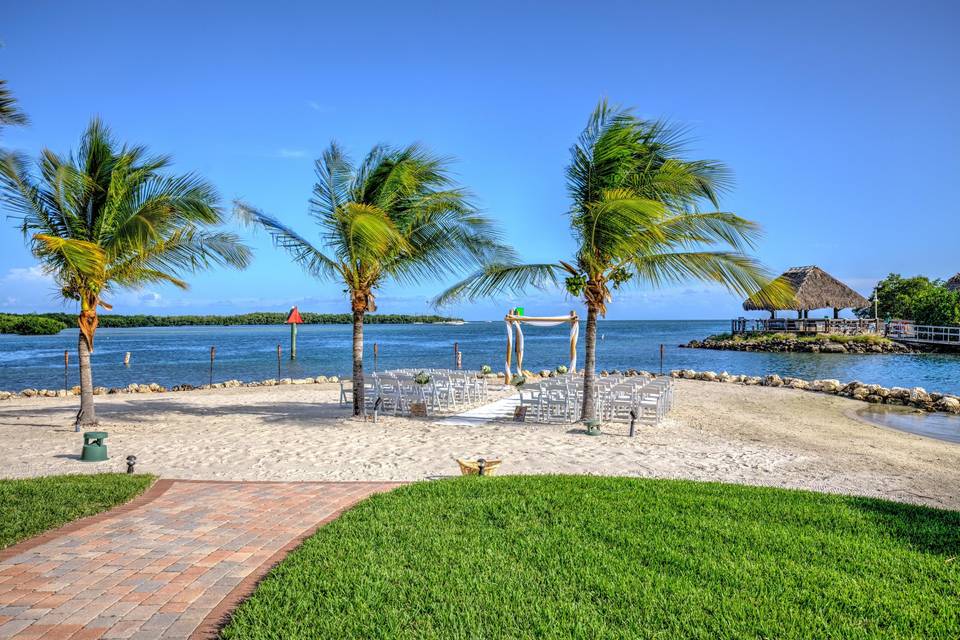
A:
x: 172, y: 356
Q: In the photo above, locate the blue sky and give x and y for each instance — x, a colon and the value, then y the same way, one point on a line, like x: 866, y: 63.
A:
x: 838, y: 119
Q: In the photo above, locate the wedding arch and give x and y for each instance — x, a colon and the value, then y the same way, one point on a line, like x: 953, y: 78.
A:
x: 515, y: 318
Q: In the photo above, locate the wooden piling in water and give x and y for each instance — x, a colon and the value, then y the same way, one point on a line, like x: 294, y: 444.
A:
x: 213, y: 354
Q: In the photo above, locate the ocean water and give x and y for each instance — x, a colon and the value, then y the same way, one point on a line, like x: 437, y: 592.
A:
x: 177, y: 355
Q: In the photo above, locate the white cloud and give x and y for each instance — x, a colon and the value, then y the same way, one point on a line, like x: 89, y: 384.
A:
x: 28, y: 274
x: 319, y: 108
x: 291, y: 153
x: 151, y: 298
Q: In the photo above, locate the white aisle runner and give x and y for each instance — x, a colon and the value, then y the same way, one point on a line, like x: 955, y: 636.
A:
x: 502, y: 408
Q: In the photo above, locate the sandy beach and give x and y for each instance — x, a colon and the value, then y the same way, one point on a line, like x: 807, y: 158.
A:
x: 730, y: 433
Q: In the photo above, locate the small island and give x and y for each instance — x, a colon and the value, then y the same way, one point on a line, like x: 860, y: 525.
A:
x: 34, y: 324
x: 793, y: 342
x: 934, y: 304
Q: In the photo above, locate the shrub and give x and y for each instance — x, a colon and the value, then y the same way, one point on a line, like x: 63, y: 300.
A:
x: 30, y: 325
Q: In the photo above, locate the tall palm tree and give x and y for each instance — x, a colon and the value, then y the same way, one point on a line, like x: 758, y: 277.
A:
x: 635, y: 216
x: 395, y: 216
x: 108, y: 218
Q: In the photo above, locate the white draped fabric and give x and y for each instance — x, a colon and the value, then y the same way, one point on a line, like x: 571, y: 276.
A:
x: 509, y: 349
x: 513, y: 323
x: 574, y: 334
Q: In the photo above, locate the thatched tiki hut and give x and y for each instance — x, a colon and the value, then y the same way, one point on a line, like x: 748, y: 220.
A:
x: 953, y: 284
x: 813, y: 288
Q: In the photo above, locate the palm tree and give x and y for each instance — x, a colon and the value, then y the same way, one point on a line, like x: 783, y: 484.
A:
x: 635, y: 217
x: 9, y: 113
x: 395, y: 216
x: 108, y: 218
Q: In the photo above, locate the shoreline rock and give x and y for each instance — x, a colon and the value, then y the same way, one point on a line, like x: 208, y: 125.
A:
x: 796, y: 345
x: 917, y: 397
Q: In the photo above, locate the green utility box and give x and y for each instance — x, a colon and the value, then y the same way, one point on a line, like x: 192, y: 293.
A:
x: 94, y: 449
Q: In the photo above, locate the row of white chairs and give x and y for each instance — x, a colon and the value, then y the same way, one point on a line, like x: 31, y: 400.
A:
x: 560, y: 399
x: 396, y: 390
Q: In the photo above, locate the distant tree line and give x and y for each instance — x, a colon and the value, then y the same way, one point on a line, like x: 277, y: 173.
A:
x: 51, y: 323
x: 30, y: 324
x: 920, y: 299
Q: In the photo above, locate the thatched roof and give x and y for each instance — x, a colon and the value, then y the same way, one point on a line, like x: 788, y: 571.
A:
x: 954, y: 283
x: 813, y: 288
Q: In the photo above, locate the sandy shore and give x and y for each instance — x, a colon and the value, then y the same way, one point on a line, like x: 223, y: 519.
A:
x: 752, y: 435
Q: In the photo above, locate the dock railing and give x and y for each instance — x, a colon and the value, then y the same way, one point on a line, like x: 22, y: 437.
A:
x: 899, y: 330
x: 905, y: 331
x: 845, y: 326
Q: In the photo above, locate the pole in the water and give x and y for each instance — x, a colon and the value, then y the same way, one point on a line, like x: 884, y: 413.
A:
x: 66, y: 364
x: 376, y: 353
x: 661, y: 359
x: 456, y: 354
x: 278, y: 362
x: 213, y: 354
x: 293, y: 319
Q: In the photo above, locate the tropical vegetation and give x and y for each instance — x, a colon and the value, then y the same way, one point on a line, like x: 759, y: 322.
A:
x: 397, y: 215
x: 636, y: 217
x: 31, y: 506
x: 44, y: 323
x: 593, y: 557
x: 920, y: 299
x: 109, y: 217
x: 31, y: 324
x: 762, y: 338
x: 10, y: 113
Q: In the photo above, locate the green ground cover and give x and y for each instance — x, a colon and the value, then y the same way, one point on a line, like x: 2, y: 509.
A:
x: 34, y: 505
x: 589, y: 557
x: 762, y: 338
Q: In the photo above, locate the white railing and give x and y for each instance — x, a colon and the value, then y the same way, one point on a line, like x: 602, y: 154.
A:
x: 844, y: 326
x: 929, y: 334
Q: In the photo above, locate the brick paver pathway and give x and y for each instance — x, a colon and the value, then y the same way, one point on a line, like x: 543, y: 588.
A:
x: 171, y: 564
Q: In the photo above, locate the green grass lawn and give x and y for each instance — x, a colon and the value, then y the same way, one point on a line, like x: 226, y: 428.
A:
x: 32, y: 506
x: 586, y: 557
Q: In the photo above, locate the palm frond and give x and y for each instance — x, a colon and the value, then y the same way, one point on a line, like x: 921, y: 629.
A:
x: 687, y: 229
x: 85, y: 259
x: 498, y: 279
x: 334, y: 172
x: 10, y: 114
x: 737, y: 272
x: 303, y: 252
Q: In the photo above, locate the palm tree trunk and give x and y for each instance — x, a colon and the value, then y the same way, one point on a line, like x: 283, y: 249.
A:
x: 589, y: 410
x: 357, y: 362
x: 87, y: 416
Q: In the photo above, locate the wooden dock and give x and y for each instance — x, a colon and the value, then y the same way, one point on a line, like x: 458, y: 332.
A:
x: 808, y: 326
x: 897, y: 330
x: 911, y: 333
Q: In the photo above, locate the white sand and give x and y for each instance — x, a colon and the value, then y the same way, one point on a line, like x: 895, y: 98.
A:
x: 723, y: 432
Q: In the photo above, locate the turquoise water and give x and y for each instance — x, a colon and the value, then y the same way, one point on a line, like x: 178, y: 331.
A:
x: 177, y: 355
x: 941, y: 426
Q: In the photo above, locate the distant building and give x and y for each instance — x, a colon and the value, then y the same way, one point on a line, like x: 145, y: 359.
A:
x: 953, y: 284
x: 813, y: 288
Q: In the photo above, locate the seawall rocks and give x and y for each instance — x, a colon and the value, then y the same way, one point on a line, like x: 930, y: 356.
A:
x: 918, y: 397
